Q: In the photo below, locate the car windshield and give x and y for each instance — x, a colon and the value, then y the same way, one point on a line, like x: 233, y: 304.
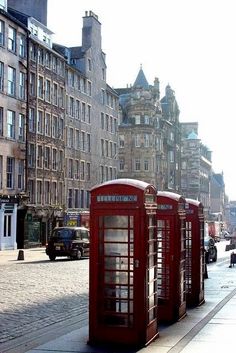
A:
x: 63, y: 233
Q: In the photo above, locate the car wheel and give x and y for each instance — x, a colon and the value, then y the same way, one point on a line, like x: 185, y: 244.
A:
x: 207, y: 258
x: 52, y: 257
x: 214, y: 258
x: 78, y: 255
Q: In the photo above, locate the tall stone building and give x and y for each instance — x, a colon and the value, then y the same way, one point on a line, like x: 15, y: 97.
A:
x: 13, y: 111
x: 91, y: 117
x: 149, y: 134
x: 66, y: 132
x: 196, y: 166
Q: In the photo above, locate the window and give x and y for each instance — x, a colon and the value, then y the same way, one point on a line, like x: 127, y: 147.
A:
x: 11, y: 89
x: 71, y: 106
x: 103, y: 97
x: 31, y: 120
x: 88, y: 143
x: 0, y: 172
x: 31, y: 159
x: 54, y: 193
x: 54, y: 159
x: 82, y: 171
x: 82, y: 198
x: 40, y: 156
x: 47, y: 192
x: 88, y: 171
x: 83, y: 140
x: 89, y: 65
x: 11, y: 38
x: 146, y: 140
x: 122, y: 141
x: 59, y: 193
x: 55, y: 126
x: 22, y: 85
x: 10, y: 124
x: 70, y: 168
x: 10, y: 172
x: 1, y: 76
x: 20, y: 181
x: 32, y: 51
x: 137, y: 119
x: 70, y: 198
x: 89, y: 88
x: 60, y: 161
x: 76, y: 173
x: 40, y: 56
x: 54, y: 64
x: 60, y: 128
x: 102, y: 121
x: 76, y: 198
x: 32, y: 84
x: 77, y: 140
x: 146, y: 165
x: 70, y: 138
x: 89, y: 114
x: 102, y: 148
x: 47, y: 157
x: 111, y: 149
x: 137, y: 165
x: 83, y: 112
x: 47, y: 124
x: 122, y: 164
x: 137, y: 140
x: 2, y: 32
x: 39, y: 192
x: 1, y: 121
x: 61, y: 97
x: 77, y: 109
x: 107, y: 122
x: 22, y: 48
x: 40, y: 87
x: 47, y: 59
x: 106, y: 149
x: 48, y: 90
x: 40, y: 122
x: 55, y: 94
x: 21, y: 131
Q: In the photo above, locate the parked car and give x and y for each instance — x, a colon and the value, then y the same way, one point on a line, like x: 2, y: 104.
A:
x: 68, y: 241
x: 210, y: 249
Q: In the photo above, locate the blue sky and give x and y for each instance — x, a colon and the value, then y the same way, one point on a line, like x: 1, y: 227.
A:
x: 186, y: 43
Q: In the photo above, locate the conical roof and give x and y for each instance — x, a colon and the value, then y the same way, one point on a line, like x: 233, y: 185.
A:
x: 141, y: 81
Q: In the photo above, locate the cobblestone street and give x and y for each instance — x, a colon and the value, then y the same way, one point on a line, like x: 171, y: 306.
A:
x: 38, y: 293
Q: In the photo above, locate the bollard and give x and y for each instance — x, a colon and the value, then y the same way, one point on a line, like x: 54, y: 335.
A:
x: 21, y: 255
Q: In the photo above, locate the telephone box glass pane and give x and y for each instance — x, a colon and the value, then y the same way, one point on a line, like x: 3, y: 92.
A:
x: 116, y: 250
x: 163, y: 261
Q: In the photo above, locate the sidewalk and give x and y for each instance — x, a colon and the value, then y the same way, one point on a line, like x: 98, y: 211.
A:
x: 30, y: 255
x: 207, y: 328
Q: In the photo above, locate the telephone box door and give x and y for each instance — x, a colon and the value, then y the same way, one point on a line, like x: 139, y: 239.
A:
x: 121, y: 307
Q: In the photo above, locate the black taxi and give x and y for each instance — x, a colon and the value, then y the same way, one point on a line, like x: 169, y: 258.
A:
x: 68, y: 241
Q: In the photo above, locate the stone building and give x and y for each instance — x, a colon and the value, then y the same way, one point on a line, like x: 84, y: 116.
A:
x: 196, y: 166
x: 13, y: 110
x: 91, y: 119
x: 69, y: 117
x: 149, y: 134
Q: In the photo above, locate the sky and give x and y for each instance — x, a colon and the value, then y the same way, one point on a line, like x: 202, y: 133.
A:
x: 188, y: 44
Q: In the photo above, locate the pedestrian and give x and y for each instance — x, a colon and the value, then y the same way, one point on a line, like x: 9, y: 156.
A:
x: 232, y: 259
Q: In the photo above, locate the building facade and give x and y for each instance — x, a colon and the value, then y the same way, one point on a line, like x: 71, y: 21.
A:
x: 196, y: 167
x: 13, y: 110
x: 149, y: 134
x: 59, y: 123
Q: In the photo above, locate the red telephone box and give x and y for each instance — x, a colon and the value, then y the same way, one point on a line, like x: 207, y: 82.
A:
x: 194, y: 252
x: 123, y: 263
x: 171, y: 256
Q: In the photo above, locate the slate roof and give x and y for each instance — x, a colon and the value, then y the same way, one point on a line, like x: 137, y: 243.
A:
x: 141, y: 81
